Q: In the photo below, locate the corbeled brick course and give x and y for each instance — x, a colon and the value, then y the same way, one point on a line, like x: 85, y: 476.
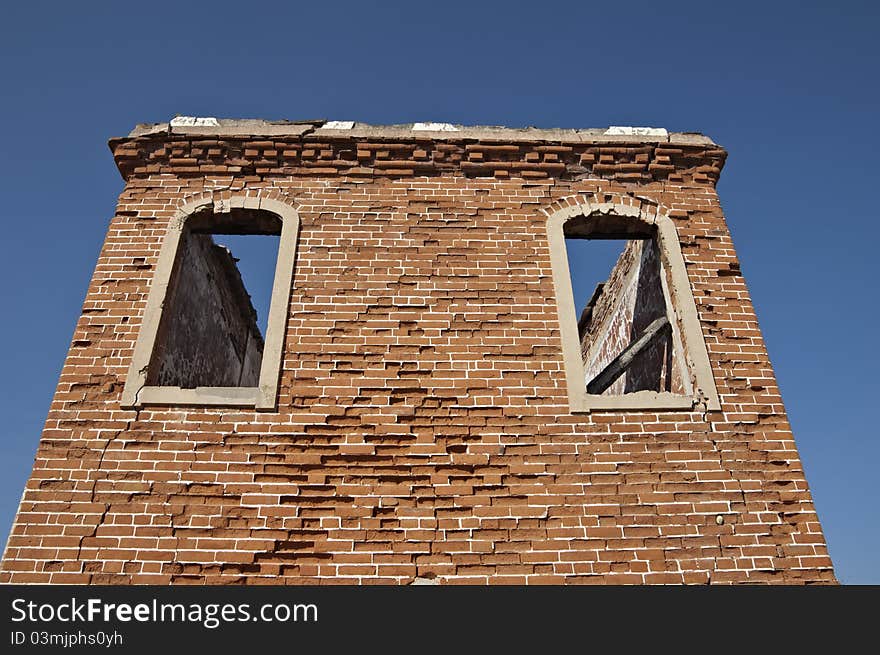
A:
x: 423, y: 426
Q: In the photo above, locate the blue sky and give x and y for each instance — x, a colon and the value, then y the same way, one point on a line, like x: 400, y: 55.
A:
x: 789, y: 88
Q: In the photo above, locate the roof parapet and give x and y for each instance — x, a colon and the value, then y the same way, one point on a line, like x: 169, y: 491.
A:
x: 208, y: 125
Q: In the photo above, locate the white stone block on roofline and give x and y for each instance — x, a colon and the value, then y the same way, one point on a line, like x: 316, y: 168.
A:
x: 201, y: 121
x: 434, y: 127
x: 626, y: 130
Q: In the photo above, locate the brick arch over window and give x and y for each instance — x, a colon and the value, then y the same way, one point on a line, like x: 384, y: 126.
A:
x: 137, y: 392
x: 626, y: 215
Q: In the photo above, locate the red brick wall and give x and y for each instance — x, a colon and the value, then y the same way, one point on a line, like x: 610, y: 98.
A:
x: 423, y: 426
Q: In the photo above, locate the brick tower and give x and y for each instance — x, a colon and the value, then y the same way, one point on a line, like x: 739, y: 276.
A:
x: 431, y: 399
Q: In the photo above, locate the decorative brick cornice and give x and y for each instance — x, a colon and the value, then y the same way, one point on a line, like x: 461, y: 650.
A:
x: 695, y: 161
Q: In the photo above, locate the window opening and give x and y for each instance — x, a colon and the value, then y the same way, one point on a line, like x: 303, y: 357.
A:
x: 214, y: 318
x: 626, y: 338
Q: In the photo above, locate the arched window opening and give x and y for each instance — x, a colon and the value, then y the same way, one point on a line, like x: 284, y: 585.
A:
x: 213, y: 329
x: 631, y: 337
x: 626, y: 337
x: 210, y: 333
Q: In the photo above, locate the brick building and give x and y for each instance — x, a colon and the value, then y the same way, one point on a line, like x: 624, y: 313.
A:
x: 429, y: 401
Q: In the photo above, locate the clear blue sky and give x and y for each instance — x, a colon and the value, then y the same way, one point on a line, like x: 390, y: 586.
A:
x: 789, y: 88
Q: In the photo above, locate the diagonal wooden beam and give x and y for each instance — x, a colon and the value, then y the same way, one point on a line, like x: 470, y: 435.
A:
x: 620, y: 363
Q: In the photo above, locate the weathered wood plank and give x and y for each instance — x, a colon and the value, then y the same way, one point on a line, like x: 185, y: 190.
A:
x: 619, y: 364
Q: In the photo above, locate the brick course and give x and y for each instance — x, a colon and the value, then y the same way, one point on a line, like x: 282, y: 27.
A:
x: 423, y: 427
